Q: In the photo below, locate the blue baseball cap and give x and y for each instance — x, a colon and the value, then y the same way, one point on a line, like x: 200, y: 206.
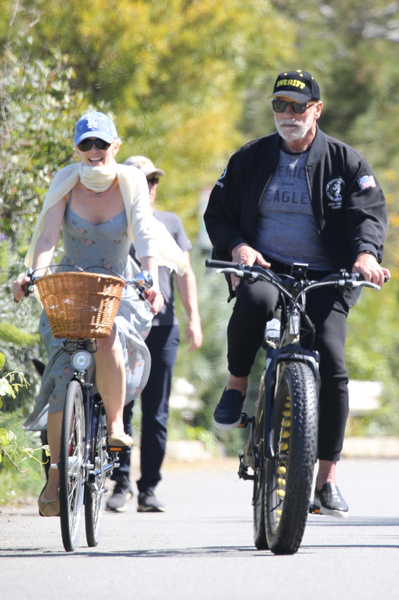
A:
x: 95, y: 124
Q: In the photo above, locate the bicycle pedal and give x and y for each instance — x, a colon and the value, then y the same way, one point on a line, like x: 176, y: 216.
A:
x: 114, y: 448
x: 314, y: 510
x: 118, y: 448
x: 245, y: 420
x: 243, y: 472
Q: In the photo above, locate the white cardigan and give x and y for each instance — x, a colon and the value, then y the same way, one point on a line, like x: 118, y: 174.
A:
x: 149, y: 236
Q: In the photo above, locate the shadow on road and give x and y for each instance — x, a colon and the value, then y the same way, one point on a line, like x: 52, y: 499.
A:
x: 233, y: 551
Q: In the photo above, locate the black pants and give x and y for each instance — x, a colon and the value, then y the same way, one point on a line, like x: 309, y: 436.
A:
x: 328, y: 311
x: 162, y: 342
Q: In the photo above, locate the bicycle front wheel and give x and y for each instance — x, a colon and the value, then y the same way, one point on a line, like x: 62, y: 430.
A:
x: 258, y: 504
x: 289, y: 474
x: 258, y: 496
x: 95, y: 486
x: 72, y: 467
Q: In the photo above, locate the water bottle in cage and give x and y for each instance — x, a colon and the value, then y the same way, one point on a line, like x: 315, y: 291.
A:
x: 272, y: 330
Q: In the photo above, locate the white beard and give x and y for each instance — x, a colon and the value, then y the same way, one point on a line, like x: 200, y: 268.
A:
x: 294, y: 133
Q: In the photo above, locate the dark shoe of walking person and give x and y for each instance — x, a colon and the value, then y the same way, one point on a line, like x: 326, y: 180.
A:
x: 120, y: 497
x: 148, y: 502
x: 330, y: 501
x: 227, y: 414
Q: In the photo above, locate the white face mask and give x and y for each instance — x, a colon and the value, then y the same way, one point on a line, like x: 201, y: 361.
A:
x: 97, y: 179
x: 298, y: 128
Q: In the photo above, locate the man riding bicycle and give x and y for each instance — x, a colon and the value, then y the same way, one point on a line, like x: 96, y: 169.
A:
x: 297, y: 195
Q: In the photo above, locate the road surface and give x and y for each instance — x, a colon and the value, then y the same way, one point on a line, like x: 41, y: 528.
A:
x: 201, y: 548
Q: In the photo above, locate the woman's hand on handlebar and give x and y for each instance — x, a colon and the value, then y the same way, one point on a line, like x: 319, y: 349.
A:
x: 368, y: 266
x: 155, y: 299
x: 245, y: 255
x: 19, y: 287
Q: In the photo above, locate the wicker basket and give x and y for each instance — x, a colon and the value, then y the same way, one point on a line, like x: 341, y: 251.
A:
x: 80, y: 305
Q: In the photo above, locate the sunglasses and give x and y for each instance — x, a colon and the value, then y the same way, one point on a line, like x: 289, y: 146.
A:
x: 87, y: 145
x: 153, y: 180
x: 280, y: 106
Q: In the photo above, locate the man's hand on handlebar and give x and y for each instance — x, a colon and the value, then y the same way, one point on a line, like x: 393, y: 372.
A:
x: 368, y: 266
x: 245, y: 255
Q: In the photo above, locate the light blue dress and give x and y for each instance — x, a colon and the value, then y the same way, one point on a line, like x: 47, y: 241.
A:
x: 105, y: 246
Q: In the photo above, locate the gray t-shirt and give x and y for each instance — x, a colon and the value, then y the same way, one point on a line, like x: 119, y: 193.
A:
x: 286, y: 229
x: 173, y: 224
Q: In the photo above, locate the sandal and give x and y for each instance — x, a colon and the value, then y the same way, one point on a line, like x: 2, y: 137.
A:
x: 122, y: 440
x: 48, y: 508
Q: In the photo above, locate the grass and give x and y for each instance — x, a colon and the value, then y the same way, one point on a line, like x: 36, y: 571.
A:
x: 23, y: 478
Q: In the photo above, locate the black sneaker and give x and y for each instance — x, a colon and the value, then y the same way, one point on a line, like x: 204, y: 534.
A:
x: 148, y: 502
x: 120, y: 497
x: 227, y: 414
x: 330, y: 501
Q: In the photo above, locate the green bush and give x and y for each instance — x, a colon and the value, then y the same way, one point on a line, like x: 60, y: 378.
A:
x: 20, y: 451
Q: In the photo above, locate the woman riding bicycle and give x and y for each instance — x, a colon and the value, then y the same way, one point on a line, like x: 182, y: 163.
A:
x: 298, y: 195
x: 101, y: 208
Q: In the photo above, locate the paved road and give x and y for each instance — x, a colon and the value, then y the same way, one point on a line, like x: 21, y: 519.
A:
x: 201, y: 548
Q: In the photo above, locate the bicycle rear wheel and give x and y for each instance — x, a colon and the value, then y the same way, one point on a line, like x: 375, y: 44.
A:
x: 72, y: 467
x: 289, y: 475
x: 95, y: 487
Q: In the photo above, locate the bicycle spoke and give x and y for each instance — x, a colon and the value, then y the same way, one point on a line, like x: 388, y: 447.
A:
x: 72, y: 471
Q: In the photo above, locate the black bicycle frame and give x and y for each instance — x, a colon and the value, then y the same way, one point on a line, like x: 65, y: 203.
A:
x: 92, y: 415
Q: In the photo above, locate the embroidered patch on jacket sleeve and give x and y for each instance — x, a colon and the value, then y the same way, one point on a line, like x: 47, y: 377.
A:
x: 367, y: 181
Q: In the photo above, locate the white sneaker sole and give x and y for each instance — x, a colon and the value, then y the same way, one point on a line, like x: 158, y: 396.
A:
x: 226, y: 425
x: 338, y: 514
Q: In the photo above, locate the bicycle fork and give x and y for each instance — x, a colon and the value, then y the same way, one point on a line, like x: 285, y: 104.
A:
x: 260, y: 440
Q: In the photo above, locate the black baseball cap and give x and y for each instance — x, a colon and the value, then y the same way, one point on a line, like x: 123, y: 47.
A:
x: 299, y: 86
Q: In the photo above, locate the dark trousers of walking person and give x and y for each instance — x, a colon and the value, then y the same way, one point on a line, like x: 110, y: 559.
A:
x: 162, y: 342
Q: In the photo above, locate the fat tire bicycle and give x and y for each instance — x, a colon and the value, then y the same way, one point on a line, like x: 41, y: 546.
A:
x: 86, y: 460
x: 281, y: 450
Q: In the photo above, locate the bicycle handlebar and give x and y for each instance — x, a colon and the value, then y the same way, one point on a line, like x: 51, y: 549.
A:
x: 256, y: 272
x: 221, y: 264
x: 142, y: 282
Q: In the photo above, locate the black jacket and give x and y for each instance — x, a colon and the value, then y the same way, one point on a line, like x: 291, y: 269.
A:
x: 348, y: 204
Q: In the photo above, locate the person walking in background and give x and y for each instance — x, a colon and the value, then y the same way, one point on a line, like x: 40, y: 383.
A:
x: 162, y: 342
x: 297, y: 195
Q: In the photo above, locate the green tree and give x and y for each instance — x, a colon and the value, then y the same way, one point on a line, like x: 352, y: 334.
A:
x: 351, y: 46
x: 38, y: 113
x: 174, y: 72
x: 373, y: 333
x: 15, y: 456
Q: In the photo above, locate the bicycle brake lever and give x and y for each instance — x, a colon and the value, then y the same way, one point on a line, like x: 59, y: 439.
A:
x: 250, y: 277
x: 369, y: 284
x: 357, y: 280
x: 237, y: 272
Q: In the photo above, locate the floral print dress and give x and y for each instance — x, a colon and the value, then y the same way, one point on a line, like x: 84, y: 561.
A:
x: 105, y: 247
